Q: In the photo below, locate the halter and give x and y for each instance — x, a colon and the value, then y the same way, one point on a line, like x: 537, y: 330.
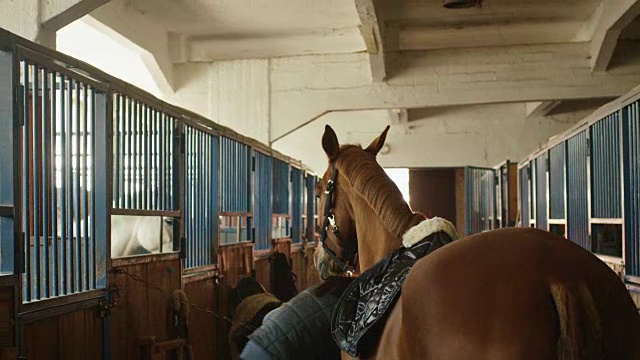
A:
x: 330, y: 220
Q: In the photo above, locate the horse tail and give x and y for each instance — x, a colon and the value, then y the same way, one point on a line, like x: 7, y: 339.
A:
x: 580, y: 325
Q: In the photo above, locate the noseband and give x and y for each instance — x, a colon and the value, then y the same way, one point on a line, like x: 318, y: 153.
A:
x: 330, y: 220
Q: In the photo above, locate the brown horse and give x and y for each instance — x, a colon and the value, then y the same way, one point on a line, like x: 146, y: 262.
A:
x: 517, y: 293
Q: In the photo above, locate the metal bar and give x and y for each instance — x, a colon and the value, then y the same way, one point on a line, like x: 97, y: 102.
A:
x: 101, y: 199
x: 129, y: 129
x: 26, y: 224
x: 70, y: 193
x: 170, y: 164
x: 53, y: 63
x: 36, y: 131
x: 199, y: 198
x: 78, y: 195
x: 118, y: 153
x: 210, y: 182
x: 154, y: 156
x: 91, y: 224
x: 192, y: 198
x: 88, y: 274
x: 55, y: 290
x: 46, y: 186
x: 147, y: 162
x: 64, y: 185
x: 206, y: 213
x: 134, y: 212
x: 187, y: 195
x: 120, y: 120
x: 606, y: 221
x: 162, y: 161
x: 139, y: 147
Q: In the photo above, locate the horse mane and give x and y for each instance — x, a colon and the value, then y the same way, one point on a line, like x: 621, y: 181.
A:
x: 368, y: 179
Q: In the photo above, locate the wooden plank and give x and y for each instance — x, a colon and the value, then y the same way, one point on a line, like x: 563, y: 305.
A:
x: 9, y: 354
x: 283, y: 246
x: 313, y: 276
x: 93, y: 327
x: 43, y: 347
x: 202, y: 324
x: 263, y: 272
x: 6, y: 317
x: 118, y: 328
x: 72, y: 335
x: 298, y: 266
x: 136, y: 309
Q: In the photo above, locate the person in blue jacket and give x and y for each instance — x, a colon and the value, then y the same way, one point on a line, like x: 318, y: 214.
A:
x: 301, y: 327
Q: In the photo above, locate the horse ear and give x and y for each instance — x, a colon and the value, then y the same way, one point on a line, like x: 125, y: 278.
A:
x: 378, y: 143
x: 330, y: 142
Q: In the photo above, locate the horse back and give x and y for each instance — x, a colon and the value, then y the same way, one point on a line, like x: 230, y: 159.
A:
x: 490, y: 296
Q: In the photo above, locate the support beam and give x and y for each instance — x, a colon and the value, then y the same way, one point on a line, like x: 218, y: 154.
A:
x: 304, y: 88
x: 371, y: 32
x: 609, y: 21
x: 56, y: 14
x: 118, y: 20
x: 209, y: 48
x: 476, y: 135
x: 540, y: 108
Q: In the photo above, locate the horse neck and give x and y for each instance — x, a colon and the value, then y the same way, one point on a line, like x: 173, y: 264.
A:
x: 374, y: 240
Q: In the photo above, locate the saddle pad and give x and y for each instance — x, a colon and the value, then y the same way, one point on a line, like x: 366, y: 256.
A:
x: 363, y: 308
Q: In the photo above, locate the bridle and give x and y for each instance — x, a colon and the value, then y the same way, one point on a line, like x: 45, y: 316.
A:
x: 330, y: 220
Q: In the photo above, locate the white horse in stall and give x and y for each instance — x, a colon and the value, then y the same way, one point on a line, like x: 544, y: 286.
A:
x: 134, y: 235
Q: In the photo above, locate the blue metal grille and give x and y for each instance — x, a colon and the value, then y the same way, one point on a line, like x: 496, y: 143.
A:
x: 524, y: 195
x: 541, y: 191
x: 296, y: 205
x: 235, y: 176
x: 480, y: 190
x: 143, y: 149
x: 502, y: 195
x: 7, y: 144
x: 262, y: 200
x: 577, y: 187
x: 201, y: 198
x: 605, y: 168
x: 280, y: 187
x: 556, y: 181
x: 63, y: 172
x: 311, y: 207
x: 631, y: 146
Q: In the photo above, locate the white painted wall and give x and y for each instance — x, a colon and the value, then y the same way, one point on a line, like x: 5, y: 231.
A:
x: 232, y: 93
x: 480, y: 135
x: 22, y: 17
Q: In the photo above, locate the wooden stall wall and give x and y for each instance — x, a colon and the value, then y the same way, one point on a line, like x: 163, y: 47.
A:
x: 201, y: 292
x: 461, y: 201
x: 236, y: 262
x: 262, y: 267
x: 144, y: 286
x: 72, y: 335
x: 298, y: 266
x: 432, y: 192
x: 312, y: 275
x: 7, y: 324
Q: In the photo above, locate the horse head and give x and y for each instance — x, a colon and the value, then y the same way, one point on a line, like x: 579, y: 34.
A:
x: 355, y: 190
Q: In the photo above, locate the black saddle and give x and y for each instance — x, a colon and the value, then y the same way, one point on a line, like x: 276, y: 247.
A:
x: 364, y: 307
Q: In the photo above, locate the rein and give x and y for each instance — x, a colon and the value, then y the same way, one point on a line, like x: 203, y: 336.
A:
x: 330, y: 220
